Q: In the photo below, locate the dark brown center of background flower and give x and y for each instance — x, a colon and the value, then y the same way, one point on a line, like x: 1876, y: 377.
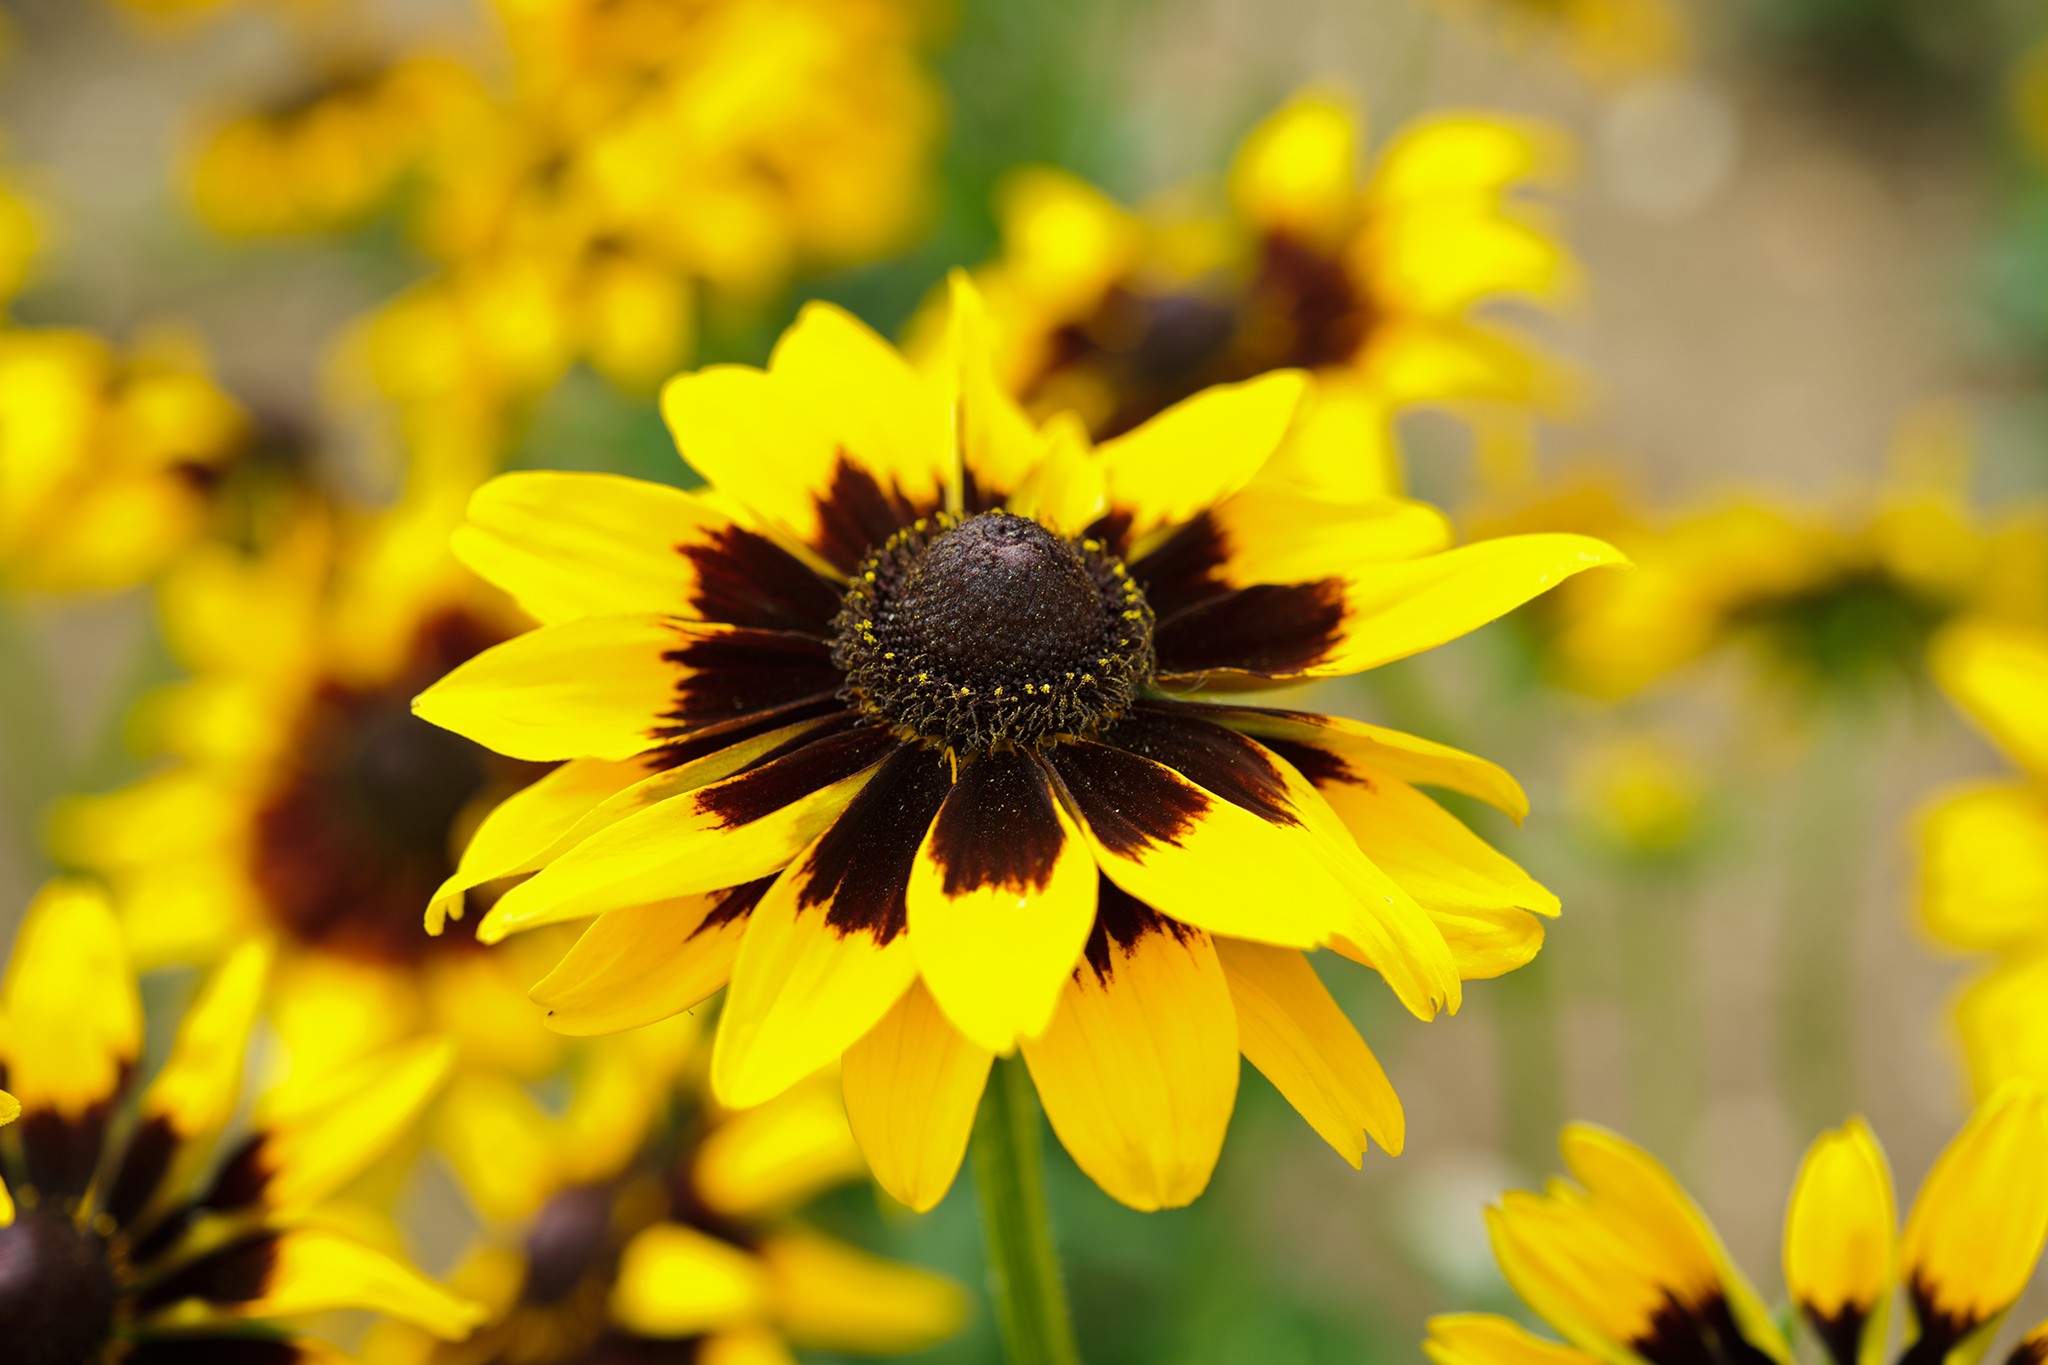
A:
x: 992, y: 631
x: 57, y: 1292
x: 1140, y: 352
x: 359, y: 828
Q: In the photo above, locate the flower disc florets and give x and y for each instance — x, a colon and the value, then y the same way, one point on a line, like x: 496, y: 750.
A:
x: 992, y: 630
x: 57, y: 1294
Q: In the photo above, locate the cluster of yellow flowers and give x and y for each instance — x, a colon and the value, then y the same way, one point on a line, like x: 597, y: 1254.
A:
x: 914, y: 735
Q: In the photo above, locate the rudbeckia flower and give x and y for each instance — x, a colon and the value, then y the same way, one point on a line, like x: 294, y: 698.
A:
x: 127, y: 1239
x: 108, y: 461
x: 896, y: 729
x: 1837, y: 602
x: 303, y: 804
x: 1985, y: 849
x: 1623, y: 1265
x: 686, y: 1248
x: 1374, y: 284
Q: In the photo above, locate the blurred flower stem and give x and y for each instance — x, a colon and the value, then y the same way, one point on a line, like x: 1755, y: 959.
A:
x: 31, y: 731
x: 1024, y: 1269
x: 1660, y: 995
x: 1819, y: 926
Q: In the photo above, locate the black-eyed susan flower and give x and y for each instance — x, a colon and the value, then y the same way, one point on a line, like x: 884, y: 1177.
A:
x: 300, y: 802
x: 684, y: 1247
x: 1835, y: 602
x: 1985, y: 848
x: 129, y: 1240
x: 1622, y: 1264
x: 108, y: 460
x: 896, y: 729
x: 1376, y: 285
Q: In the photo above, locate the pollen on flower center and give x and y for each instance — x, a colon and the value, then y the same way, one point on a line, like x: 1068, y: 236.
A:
x: 969, y: 634
x: 57, y: 1292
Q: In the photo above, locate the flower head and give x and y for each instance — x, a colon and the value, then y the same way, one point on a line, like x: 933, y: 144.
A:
x: 124, y: 1237
x: 685, y: 1247
x: 1374, y: 283
x: 895, y: 730
x: 1623, y: 1265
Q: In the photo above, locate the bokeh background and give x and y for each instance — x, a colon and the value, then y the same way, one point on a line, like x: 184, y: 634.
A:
x: 1813, y: 240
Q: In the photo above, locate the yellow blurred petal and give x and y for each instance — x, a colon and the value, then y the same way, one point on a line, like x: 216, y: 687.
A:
x: 1294, y: 1033
x: 675, y: 1281
x: 1297, y: 171
x: 769, y: 1159
x: 498, y: 1141
x: 1999, y: 675
x: 333, y: 1129
x: 1984, y: 875
x: 912, y: 1086
x: 1138, y: 1072
x: 317, y: 1271
x: 830, y: 1296
x: 74, y: 1019
x: 1977, y: 1225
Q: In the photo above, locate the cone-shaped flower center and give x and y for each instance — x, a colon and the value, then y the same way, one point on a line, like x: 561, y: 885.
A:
x: 993, y: 630
x: 57, y: 1293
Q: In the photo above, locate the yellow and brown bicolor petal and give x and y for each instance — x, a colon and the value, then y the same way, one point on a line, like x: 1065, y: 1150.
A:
x: 1489, y: 1339
x: 888, y: 735
x: 1976, y: 1228
x: 1624, y: 1265
x: 113, y: 1252
x: 1840, y: 1243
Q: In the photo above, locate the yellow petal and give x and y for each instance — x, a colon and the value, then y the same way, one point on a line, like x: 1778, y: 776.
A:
x: 768, y: 1159
x: 1840, y: 1232
x: 1294, y: 1033
x: 1138, y: 1072
x: 722, y: 835
x: 831, y: 1296
x: 1985, y: 867
x: 314, y: 1270
x: 74, y: 1019
x: 675, y: 1281
x: 1355, y: 745
x: 1199, y: 451
x: 2004, y: 1029
x: 1977, y: 1225
x: 597, y: 687
x: 912, y: 1087
x: 333, y: 1129
x: 1484, y: 1339
x: 1278, y: 535
x: 998, y: 447
x: 568, y: 545
x: 1001, y: 900
x: 643, y: 963
x: 1999, y: 675
x: 500, y: 1144
x: 744, y: 1346
x: 1297, y: 172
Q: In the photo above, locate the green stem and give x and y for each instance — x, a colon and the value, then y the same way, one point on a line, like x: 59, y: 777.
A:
x: 1024, y: 1269
x: 1816, y: 1001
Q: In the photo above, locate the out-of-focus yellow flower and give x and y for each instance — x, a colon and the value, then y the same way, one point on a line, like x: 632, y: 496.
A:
x: 1843, y: 602
x: 1623, y: 1265
x: 1985, y: 850
x: 330, y: 154
x: 1642, y: 793
x: 1372, y: 282
x: 136, y: 1243
x: 108, y: 460
x: 1605, y: 39
x: 303, y: 803
x: 684, y: 1244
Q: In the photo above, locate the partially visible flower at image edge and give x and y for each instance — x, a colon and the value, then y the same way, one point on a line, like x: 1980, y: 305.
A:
x: 145, y: 1244
x: 1985, y: 850
x: 894, y: 731
x: 1625, y: 1267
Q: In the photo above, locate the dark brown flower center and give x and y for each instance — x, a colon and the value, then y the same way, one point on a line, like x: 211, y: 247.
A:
x: 57, y: 1291
x: 992, y: 631
x: 357, y: 832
